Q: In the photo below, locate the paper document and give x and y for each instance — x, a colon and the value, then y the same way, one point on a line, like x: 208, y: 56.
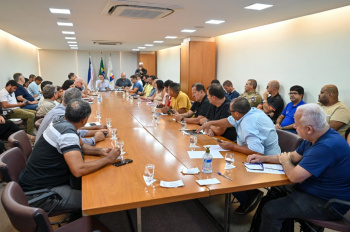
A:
x: 267, y: 168
x: 171, y: 184
x: 190, y: 170
x: 208, y: 181
x: 215, y: 148
x: 15, y: 119
x: 199, y: 154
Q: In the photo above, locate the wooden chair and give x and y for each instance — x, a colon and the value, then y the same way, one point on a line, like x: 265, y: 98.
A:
x: 288, y: 141
x: 25, y: 218
x: 20, y: 139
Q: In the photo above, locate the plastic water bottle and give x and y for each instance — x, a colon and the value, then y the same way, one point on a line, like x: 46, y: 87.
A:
x: 207, y: 162
x: 99, y: 99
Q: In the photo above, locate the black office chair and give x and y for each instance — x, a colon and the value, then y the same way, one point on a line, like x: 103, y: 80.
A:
x: 288, y: 141
x: 25, y: 218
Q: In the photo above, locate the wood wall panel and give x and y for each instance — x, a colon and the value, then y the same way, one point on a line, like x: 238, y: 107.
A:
x: 185, y: 67
x: 149, y: 62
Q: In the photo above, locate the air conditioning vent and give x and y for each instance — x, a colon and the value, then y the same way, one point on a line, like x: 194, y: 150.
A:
x: 100, y: 42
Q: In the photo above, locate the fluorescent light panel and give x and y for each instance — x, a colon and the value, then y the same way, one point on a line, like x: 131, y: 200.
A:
x: 214, y: 21
x: 170, y: 37
x: 136, y: 50
x: 59, y: 11
x: 141, y: 47
x: 70, y: 38
x: 158, y: 41
x: 68, y: 32
x: 258, y: 6
x: 72, y: 42
x: 149, y: 45
x: 65, y: 24
x: 73, y: 45
x: 188, y: 30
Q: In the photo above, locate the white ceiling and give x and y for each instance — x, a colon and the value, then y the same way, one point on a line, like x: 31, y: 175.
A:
x: 32, y: 21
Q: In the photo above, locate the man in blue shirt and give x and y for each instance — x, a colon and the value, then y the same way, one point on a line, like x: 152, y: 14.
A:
x: 286, y: 120
x: 255, y: 134
x: 319, y: 166
x: 22, y: 95
x: 33, y: 88
x: 231, y: 93
x: 137, y: 86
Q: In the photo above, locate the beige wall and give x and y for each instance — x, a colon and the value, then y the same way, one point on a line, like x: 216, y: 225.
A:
x: 16, y: 55
x: 168, y: 64
x: 310, y: 51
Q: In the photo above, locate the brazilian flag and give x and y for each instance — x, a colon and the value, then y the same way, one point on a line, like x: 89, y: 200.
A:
x: 102, y: 69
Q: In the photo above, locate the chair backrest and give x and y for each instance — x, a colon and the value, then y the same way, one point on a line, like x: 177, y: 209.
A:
x: 12, y: 162
x: 38, y: 123
x: 288, y: 141
x: 23, y: 217
x: 20, y: 139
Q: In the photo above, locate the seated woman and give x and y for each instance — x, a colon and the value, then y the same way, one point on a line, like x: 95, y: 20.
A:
x: 158, y: 96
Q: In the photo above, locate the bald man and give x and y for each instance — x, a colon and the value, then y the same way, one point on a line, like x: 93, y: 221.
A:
x: 272, y: 105
x: 123, y: 81
x: 338, y: 115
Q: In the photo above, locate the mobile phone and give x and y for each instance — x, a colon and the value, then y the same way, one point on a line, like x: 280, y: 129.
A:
x: 218, y: 140
x: 92, y: 124
x: 120, y: 163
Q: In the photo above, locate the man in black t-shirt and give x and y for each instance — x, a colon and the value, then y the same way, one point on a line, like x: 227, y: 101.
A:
x: 58, y: 156
x: 272, y: 105
x: 199, y: 108
x: 219, y: 108
x: 123, y: 81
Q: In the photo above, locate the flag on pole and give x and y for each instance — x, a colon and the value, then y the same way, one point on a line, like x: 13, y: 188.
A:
x: 102, y: 69
x: 90, y: 75
x: 110, y: 74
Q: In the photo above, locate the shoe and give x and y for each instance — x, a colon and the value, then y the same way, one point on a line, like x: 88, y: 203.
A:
x: 253, y: 202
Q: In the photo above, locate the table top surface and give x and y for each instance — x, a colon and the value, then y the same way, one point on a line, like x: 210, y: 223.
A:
x: 119, y: 188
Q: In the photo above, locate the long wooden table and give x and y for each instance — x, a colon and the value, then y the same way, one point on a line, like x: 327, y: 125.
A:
x: 120, y: 188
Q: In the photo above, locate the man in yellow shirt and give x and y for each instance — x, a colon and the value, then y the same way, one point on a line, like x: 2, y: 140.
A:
x: 179, y: 100
x: 147, y: 88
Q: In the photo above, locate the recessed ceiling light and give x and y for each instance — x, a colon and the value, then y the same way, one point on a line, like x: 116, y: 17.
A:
x: 136, y: 50
x: 73, y: 45
x: 70, y: 37
x: 258, y: 6
x: 141, y: 47
x: 213, y: 21
x: 170, y: 37
x: 158, y: 41
x: 68, y: 32
x: 149, y: 45
x: 65, y: 24
x: 59, y: 11
x: 72, y: 42
x: 188, y: 30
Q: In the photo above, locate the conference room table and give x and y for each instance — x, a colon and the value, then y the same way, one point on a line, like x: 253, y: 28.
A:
x: 112, y: 189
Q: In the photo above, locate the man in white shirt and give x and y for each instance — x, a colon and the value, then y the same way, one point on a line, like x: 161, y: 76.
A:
x: 102, y: 84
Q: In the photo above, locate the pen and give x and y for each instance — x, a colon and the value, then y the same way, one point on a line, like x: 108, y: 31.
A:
x: 224, y: 176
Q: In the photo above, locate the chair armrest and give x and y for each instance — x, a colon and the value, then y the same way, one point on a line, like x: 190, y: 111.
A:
x: 44, y: 196
x: 341, y: 202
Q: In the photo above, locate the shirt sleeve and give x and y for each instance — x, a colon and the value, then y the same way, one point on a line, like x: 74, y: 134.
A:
x: 68, y: 142
x: 276, y: 104
x: 182, y: 102
x: 231, y: 120
x: 3, y: 96
x: 341, y: 115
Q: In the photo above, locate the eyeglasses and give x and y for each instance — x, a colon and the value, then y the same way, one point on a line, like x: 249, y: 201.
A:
x: 293, y: 93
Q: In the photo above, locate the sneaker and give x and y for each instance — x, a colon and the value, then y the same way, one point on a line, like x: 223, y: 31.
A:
x: 253, y: 202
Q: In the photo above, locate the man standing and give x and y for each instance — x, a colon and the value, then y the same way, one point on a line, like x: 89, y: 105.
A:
x: 272, y: 105
x: 9, y: 103
x: 250, y: 93
x: 102, y: 84
x: 286, y: 120
x: 255, y: 134
x: 137, y: 86
x: 338, y: 115
x: 123, y: 81
x: 22, y: 95
x: 179, y: 100
x: 231, y: 93
x: 57, y: 156
x: 72, y: 76
x: 141, y: 70
x: 199, y: 108
x: 319, y: 166
x: 33, y: 87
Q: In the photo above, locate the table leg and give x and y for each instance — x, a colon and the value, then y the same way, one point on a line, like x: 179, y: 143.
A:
x: 227, y: 212
x: 138, y: 216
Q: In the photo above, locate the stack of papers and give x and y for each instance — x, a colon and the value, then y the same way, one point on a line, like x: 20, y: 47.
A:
x: 264, y: 168
x: 208, y: 181
x: 199, y: 154
x: 190, y: 170
x: 171, y: 184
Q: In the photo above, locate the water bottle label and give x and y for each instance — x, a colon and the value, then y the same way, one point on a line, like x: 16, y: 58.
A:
x: 207, y: 160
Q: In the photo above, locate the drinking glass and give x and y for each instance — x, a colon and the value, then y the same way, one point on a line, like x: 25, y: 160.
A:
x: 139, y: 102
x: 109, y: 122
x: 183, y: 125
x: 229, y: 159
x: 120, y: 144
x: 131, y: 99
x: 193, y: 141
x: 123, y: 94
x: 114, y: 133
x: 154, y: 108
x: 98, y: 113
x: 149, y: 172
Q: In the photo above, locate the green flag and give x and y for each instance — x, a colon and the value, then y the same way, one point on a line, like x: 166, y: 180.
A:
x: 102, y: 69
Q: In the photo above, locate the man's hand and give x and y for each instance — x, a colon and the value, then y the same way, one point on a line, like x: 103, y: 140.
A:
x: 32, y: 102
x: 255, y: 158
x: 2, y: 120
x: 227, y: 145
x: 205, y: 127
x: 278, y: 126
x: 99, y: 136
x: 105, y: 151
x: 102, y: 126
x: 285, y: 158
x: 265, y: 95
x: 203, y: 120
x: 210, y: 133
x: 177, y: 116
x: 113, y: 154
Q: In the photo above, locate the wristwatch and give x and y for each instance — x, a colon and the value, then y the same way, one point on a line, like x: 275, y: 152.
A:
x: 182, y: 119
x: 264, y: 101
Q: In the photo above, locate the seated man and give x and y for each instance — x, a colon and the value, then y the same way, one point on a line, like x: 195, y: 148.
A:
x: 255, y: 134
x: 338, y: 115
x: 319, y: 166
x: 81, y: 85
x: 50, y: 95
x: 272, y: 105
x: 286, y: 120
x: 22, y: 95
x: 33, y: 87
x: 137, y: 86
x: 179, y: 100
x: 58, y: 156
x: 147, y: 88
x: 153, y: 82
x: 96, y: 133
x: 219, y: 108
x: 231, y: 93
x: 7, y: 128
x: 199, y: 108
x: 67, y: 84
x: 102, y: 84
x: 250, y: 93
x: 123, y: 81
x: 9, y: 103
